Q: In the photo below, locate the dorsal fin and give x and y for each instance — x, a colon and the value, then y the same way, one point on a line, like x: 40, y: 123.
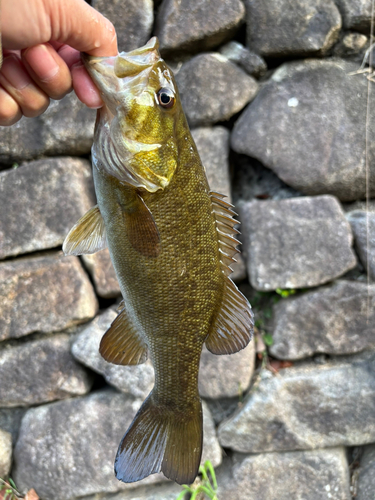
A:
x: 225, y: 225
x: 232, y: 328
x: 122, y: 344
x: 87, y: 236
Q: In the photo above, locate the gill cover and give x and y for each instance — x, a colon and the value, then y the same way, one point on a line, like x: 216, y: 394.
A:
x: 135, y: 131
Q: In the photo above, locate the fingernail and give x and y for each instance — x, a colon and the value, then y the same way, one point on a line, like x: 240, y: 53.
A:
x: 13, y: 70
x: 42, y: 62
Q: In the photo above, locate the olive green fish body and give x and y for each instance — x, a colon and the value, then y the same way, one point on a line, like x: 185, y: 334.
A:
x: 171, y: 243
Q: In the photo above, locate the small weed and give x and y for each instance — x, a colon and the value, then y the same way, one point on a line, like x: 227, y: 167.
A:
x: 285, y: 293
x: 8, y: 491
x: 206, y: 487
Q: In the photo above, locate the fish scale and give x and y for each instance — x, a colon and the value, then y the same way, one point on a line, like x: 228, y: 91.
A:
x: 171, y: 243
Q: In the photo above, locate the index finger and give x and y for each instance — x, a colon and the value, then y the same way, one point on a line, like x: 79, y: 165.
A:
x: 76, y: 23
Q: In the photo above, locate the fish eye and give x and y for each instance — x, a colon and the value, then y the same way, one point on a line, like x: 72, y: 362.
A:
x: 166, y: 98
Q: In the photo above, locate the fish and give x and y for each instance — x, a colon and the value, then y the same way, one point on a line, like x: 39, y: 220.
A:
x: 172, y: 243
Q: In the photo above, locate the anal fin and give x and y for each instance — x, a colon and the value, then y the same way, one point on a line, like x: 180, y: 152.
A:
x: 87, y: 236
x: 122, y: 344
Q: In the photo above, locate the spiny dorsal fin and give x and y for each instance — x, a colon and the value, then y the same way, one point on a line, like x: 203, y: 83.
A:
x: 87, y: 236
x: 225, y: 223
x: 233, y: 326
x: 122, y: 344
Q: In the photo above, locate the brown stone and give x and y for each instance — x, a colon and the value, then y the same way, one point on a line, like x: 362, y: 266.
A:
x: 5, y: 453
x: 40, y: 371
x: 100, y: 267
x: 45, y: 293
x: 41, y: 201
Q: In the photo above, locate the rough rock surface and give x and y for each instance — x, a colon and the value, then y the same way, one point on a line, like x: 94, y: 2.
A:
x: 10, y: 421
x: 67, y: 449
x: 213, y: 148
x: 253, y: 181
x: 251, y: 62
x: 352, y: 46
x: 226, y: 376
x: 5, y: 453
x: 133, y: 20
x: 366, y: 479
x: 100, y: 267
x: 211, y: 447
x: 239, y: 269
x: 307, y: 125
x: 308, y: 406
x: 334, y: 320
x: 46, y: 293
x: 307, y: 475
x: 136, y: 380
x: 196, y: 25
x: 296, y: 243
x: 213, y: 89
x: 41, y: 201
x: 66, y: 128
x: 356, y: 14
x: 163, y: 491
x: 40, y: 371
x: 280, y: 28
x: 362, y: 223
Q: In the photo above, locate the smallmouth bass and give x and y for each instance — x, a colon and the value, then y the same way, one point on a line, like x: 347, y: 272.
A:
x: 171, y: 242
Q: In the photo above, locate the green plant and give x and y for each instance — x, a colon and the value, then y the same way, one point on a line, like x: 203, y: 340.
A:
x: 285, y: 293
x: 8, y: 490
x: 206, y: 487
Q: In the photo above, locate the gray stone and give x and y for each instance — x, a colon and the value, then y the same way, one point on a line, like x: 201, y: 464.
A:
x: 226, y: 376
x: 366, y: 479
x: 136, y: 380
x: 239, y: 269
x: 336, y: 319
x: 351, y: 45
x: 133, y: 20
x: 163, y: 491
x: 100, y: 267
x: 213, y: 148
x: 306, y: 407
x: 254, y: 181
x: 211, y: 447
x: 302, y: 475
x: 277, y: 28
x: 66, y: 128
x: 197, y: 25
x: 296, y: 243
x: 356, y: 14
x: 40, y: 371
x: 363, y: 227
x: 41, y: 201
x: 308, y: 125
x: 213, y: 89
x: 5, y: 453
x: 251, y: 62
x: 45, y: 293
x: 10, y: 421
x: 67, y: 449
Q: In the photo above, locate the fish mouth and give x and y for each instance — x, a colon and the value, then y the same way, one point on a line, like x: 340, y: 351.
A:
x: 115, y: 73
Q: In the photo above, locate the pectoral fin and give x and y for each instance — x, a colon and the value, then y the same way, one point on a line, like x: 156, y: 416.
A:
x: 122, y: 344
x: 87, y: 236
x: 142, y: 231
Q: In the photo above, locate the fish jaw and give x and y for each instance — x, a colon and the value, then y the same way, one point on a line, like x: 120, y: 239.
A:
x: 135, y: 136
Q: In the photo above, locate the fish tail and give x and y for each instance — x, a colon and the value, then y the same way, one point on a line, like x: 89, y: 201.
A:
x: 162, y: 438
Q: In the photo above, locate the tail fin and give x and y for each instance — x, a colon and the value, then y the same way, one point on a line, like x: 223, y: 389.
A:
x: 161, y: 439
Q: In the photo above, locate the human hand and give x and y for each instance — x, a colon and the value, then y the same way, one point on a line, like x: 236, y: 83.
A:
x: 42, y: 41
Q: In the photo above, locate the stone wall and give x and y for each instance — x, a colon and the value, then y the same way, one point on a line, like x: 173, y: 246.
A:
x: 279, y: 116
